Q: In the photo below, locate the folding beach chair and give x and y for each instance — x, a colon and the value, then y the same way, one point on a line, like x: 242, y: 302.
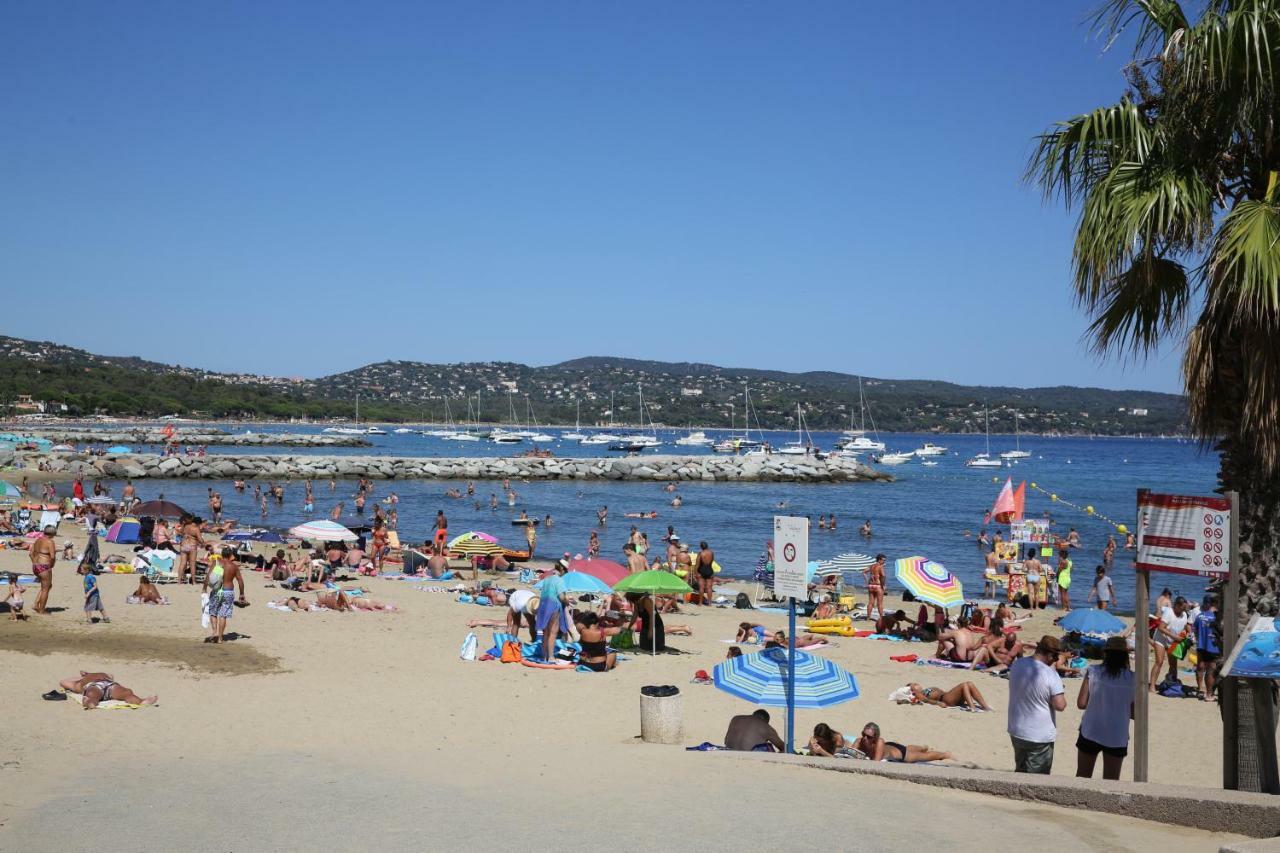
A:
x: 763, y: 577
x: 158, y: 565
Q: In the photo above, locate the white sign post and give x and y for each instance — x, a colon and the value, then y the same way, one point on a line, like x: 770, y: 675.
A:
x: 791, y: 578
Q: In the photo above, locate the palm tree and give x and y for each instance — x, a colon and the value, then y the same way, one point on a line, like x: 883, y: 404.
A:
x: 1178, y: 192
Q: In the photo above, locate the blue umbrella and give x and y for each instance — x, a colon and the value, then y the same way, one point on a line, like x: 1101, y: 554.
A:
x: 119, y: 448
x: 581, y: 582
x: 1091, y: 621
x: 761, y: 678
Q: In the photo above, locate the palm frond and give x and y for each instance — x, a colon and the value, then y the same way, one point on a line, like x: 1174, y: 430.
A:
x: 1156, y: 20
x: 1139, y: 308
x: 1073, y: 155
x: 1233, y: 47
x: 1244, y: 266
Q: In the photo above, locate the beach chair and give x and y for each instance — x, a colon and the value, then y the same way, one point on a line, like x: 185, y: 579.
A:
x: 763, y: 577
x: 159, y: 565
x: 22, y: 522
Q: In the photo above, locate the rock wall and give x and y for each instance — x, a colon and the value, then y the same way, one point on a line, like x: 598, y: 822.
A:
x: 195, y: 439
x: 660, y: 468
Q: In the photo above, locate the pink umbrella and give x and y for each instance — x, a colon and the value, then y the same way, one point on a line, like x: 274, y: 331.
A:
x: 606, y: 570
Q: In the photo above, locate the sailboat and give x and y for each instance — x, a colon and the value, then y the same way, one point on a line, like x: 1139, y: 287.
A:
x: 355, y: 430
x: 798, y: 447
x: 577, y: 434
x: 856, y: 440
x: 503, y: 435
x: 467, y: 435
x: 534, y: 433
x: 984, y: 460
x: 743, y: 442
x: 1017, y: 437
x: 637, y: 441
x: 448, y: 429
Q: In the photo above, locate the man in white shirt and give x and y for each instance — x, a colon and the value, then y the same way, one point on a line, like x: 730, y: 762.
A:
x: 1035, y: 694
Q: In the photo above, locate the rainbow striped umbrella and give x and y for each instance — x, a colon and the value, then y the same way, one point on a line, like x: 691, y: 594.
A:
x: 929, y: 581
x: 761, y: 678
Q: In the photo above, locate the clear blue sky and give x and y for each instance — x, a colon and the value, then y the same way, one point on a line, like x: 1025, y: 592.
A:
x: 298, y: 188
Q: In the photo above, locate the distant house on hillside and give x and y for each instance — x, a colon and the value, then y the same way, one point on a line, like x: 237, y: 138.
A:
x: 690, y: 392
x: 24, y: 403
x: 1139, y: 413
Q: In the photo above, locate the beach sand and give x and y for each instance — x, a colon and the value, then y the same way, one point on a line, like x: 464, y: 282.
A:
x: 350, y: 729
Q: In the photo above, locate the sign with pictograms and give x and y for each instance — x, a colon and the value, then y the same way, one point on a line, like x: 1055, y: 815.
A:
x: 1184, y: 534
x: 791, y: 556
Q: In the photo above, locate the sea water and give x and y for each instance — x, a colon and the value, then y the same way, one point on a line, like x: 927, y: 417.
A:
x: 931, y: 511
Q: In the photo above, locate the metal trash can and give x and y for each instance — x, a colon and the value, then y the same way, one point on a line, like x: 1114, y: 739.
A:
x: 661, y: 714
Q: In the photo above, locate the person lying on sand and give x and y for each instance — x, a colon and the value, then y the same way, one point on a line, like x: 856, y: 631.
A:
x: 877, y: 748
x: 749, y: 633
x: 780, y: 638
x: 965, y: 693
x: 889, y: 622
x: 146, y: 593
x: 958, y: 644
x: 98, y: 687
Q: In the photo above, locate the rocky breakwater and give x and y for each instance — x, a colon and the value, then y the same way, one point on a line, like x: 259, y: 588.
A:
x: 191, y: 438
x: 714, y: 469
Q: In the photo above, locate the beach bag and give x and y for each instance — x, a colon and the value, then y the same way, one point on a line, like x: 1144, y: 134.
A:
x: 511, y: 652
x: 624, y: 639
x: 1173, y: 690
x: 469, y: 644
x: 205, y: 621
x: 1179, y: 650
x: 743, y: 602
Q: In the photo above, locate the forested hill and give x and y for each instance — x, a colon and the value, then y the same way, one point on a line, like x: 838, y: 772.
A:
x: 676, y: 394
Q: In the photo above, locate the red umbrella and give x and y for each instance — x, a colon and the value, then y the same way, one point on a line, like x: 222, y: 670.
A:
x: 606, y: 570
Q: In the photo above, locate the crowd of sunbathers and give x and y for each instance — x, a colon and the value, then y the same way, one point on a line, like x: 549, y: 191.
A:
x: 754, y: 733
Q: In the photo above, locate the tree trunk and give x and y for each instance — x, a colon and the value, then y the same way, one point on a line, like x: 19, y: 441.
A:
x: 1259, y: 523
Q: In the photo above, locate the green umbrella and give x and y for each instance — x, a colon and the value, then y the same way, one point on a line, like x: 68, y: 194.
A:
x: 655, y: 582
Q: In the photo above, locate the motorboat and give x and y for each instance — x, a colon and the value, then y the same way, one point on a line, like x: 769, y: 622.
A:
x: 930, y: 449
x: 694, y: 439
x: 505, y: 437
x: 344, y: 431
x: 894, y: 458
x: 599, y: 438
x: 861, y: 443
x: 461, y: 436
x: 541, y: 437
x: 404, y: 431
x: 375, y: 431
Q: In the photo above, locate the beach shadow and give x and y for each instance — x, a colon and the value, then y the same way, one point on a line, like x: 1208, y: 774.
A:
x: 35, y: 638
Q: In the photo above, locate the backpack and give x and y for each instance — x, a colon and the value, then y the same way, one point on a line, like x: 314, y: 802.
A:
x: 468, y: 651
x: 743, y: 602
x: 511, y: 652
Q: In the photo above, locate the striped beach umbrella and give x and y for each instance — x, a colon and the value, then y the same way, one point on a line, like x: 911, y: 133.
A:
x: 850, y: 562
x: 475, y: 548
x: 323, y: 530
x: 761, y: 678
x: 474, y: 534
x: 929, y: 581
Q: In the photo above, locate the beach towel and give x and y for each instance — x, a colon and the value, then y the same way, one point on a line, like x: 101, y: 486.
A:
x: 945, y: 664
x: 888, y: 637
x: 705, y: 746
x: 904, y: 658
x: 133, y: 599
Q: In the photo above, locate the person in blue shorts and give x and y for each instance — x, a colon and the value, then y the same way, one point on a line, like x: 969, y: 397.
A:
x: 1208, y: 648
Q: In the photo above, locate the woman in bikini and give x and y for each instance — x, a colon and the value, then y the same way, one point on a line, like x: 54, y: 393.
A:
x: 191, y: 542
x: 877, y: 748
x: 965, y: 693
x: 595, y: 654
x: 875, y: 586
x: 98, y: 687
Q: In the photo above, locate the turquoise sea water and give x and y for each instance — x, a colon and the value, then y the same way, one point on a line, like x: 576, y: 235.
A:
x: 926, y: 512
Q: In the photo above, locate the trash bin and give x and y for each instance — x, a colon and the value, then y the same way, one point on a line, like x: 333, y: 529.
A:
x: 661, y: 714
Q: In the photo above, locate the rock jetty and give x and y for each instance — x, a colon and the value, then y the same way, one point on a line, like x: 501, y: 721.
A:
x: 660, y: 468
x: 195, y: 439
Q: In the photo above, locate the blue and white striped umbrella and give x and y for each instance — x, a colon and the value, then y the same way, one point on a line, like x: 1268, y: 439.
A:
x: 851, y: 562
x: 761, y: 678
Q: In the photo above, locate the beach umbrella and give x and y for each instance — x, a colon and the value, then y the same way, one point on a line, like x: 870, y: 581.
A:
x: 655, y: 582
x: 1092, y: 621
x: 475, y: 548
x: 159, y: 509
x: 9, y: 493
x: 240, y: 534
x: 126, y: 531
x: 850, y: 562
x: 761, y: 678
x: 474, y: 534
x: 607, y: 570
x: 929, y: 581
x: 101, y: 500
x: 580, y: 582
x: 324, y: 531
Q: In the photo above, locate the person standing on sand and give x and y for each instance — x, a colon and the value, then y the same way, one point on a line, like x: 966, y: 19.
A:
x: 189, y: 530
x: 44, y: 553
x: 220, y: 582
x: 1032, y: 568
x: 531, y: 537
x: 441, y: 528
x: 1103, y: 588
x: 1106, y: 697
x: 1064, y: 579
x: 552, y: 610
x: 875, y: 586
x: 1035, y: 695
x: 706, y: 573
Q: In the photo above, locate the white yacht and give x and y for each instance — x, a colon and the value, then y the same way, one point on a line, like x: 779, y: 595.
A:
x: 696, y: 438
x: 799, y: 447
x: 403, y: 431
x: 894, y: 458
x: 375, y: 431
x: 856, y: 438
x: 930, y: 449
x: 862, y: 443
x: 577, y: 434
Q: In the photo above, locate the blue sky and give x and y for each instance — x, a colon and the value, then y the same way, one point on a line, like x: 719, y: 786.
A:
x: 301, y: 188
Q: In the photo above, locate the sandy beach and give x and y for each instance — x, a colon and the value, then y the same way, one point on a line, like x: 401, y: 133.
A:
x: 375, y: 715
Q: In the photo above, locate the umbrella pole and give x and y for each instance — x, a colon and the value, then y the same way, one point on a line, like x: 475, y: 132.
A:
x: 791, y: 675
x: 653, y: 623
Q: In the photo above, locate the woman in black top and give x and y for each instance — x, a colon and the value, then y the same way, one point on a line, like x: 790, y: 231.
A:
x: 595, y: 643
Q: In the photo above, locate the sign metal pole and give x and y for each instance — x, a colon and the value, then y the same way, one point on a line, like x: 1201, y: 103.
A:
x: 1229, y: 620
x: 790, y: 578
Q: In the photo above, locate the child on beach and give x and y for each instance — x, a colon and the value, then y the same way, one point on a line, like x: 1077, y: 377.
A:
x: 14, y: 598
x: 92, y: 597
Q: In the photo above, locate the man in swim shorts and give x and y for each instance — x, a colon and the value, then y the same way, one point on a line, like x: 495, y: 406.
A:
x: 44, y: 553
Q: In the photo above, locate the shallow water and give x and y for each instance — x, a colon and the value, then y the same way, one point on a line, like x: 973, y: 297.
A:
x: 925, y: 512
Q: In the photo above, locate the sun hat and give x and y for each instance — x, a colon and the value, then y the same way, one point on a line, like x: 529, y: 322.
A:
x: 1048, y: 644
